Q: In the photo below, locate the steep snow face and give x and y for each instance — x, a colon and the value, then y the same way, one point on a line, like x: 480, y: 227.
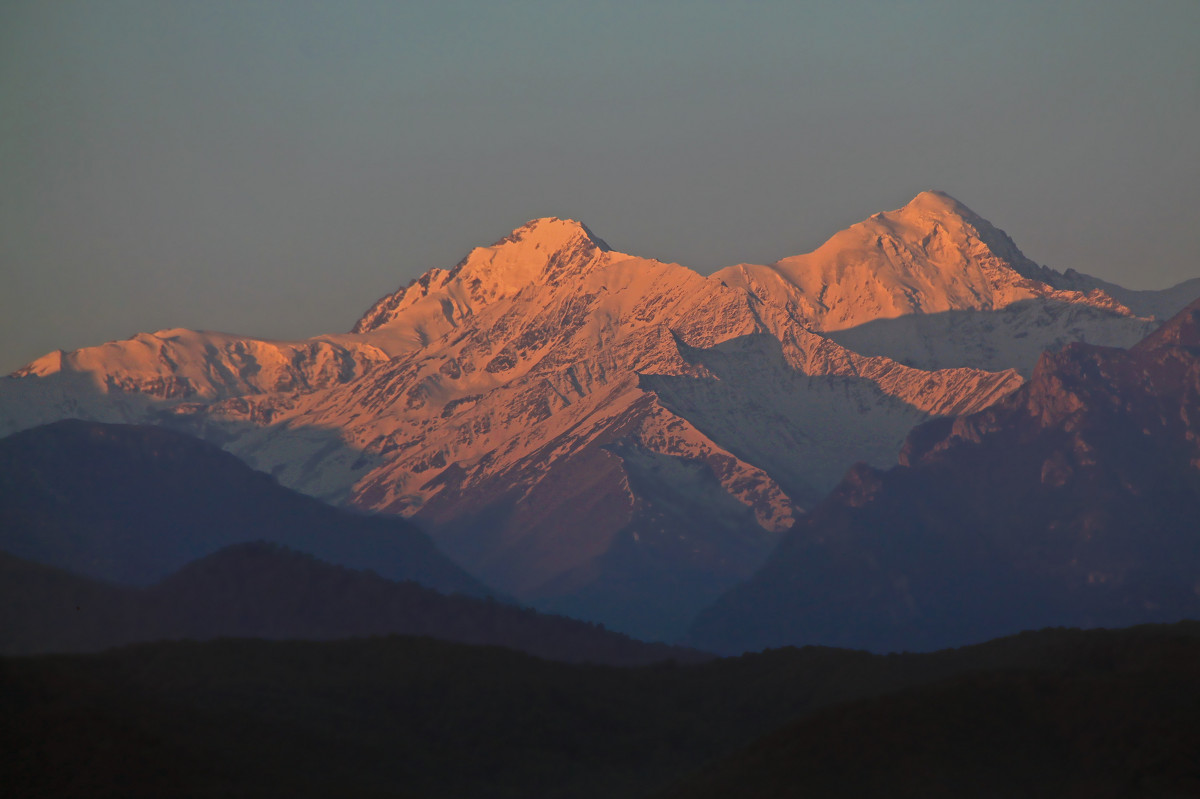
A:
x: 541, y: 252
x: 932, y: 255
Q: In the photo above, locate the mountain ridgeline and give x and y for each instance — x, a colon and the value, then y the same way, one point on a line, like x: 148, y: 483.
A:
x: 604, y: 435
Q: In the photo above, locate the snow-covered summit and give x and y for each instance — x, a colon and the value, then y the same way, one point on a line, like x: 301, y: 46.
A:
x: 932, y: 255
x: 934, y: 201
x: 551, y: 231
x: 542, y: 251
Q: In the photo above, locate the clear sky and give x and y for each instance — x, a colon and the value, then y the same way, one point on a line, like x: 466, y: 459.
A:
x: 272, y: 168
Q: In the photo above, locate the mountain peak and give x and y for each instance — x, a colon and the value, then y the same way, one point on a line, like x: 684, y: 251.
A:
x: 934, y: 228
x: 937, y: 213
x: 930, y: 256
x: 939, y: 203
x: 543, y: 251
x: 553, y: 231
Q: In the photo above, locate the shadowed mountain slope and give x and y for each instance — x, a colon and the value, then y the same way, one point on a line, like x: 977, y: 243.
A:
x: 1073, y: 501
x: 261, y: 590
x: 1013, y: 337
x: 131, y: 504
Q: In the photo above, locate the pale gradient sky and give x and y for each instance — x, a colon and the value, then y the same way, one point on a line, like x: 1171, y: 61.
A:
x: 271, y: 168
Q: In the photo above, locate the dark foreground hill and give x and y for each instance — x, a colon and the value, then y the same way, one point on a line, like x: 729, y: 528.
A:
x: 262, y: 590
x: 1074, y: 501
x: 132, y: 504
x: 993, y: 734
x: 420, y: 718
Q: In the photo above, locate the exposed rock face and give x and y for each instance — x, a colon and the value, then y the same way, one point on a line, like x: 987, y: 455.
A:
x: 1071, y: 502
x: 598, y: 433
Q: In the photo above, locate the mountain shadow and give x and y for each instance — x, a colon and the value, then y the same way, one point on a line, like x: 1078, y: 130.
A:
x: 1012, y: 337
x: 798, y: 428
x: 685, y: 543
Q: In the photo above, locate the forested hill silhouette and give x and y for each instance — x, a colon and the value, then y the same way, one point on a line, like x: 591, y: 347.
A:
x: 1097, y: 713
x: 263, y: 590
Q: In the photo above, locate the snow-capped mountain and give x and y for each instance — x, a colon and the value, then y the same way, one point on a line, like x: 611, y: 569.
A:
x: 925, y: 285
x: 591, y: 431
x: 932, y: 255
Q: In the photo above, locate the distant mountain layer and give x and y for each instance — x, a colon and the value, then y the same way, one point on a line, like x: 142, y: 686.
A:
x: 131, y: 504
x: 1161, y: 304
x: 1072, y: 502
x: 261, y: 590
x: 603, y: 434
x: 1053, y: 713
